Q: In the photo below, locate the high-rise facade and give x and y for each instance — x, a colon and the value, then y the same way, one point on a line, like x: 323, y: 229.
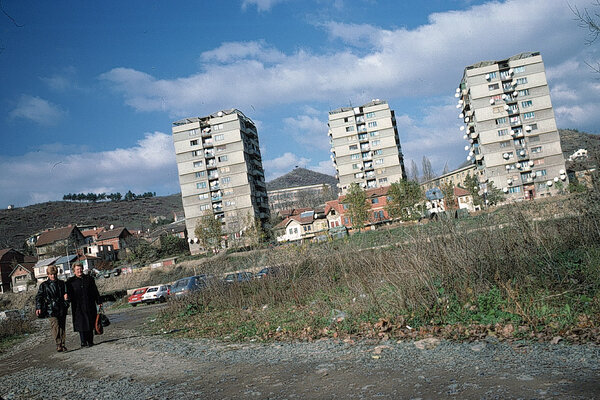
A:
x: 510, y: 126
x: 365, y: 146
x: 220, y: 172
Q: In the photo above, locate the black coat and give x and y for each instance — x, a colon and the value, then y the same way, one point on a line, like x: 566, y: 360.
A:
x: 50, y: 298
x: 83, y: 295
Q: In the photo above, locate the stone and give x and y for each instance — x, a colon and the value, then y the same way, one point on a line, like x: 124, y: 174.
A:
x: 427, y: 343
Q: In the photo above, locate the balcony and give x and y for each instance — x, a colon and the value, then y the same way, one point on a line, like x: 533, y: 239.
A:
x: 209, y: 154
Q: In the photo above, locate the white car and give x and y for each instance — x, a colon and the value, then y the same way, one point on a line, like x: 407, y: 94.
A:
x: 158, y: 293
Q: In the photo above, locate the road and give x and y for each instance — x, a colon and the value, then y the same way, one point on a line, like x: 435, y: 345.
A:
x: 129, y: 363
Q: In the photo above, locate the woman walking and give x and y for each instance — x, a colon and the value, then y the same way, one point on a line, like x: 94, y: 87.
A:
x: 51, y: 302
x: 83, y: 295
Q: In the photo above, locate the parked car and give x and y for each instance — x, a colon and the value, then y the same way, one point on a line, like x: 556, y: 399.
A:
x: 136, y: 296
x: 158, y: 293
x: 188, y: 285
x: 267, y: 271
x: 238, y: 277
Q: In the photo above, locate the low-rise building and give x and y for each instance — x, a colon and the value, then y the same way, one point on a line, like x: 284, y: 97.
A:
x: 59, y: 241
x: 22, y: 277
x: 9, y: 258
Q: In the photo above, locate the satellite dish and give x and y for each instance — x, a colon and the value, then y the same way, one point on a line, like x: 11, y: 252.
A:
x: 461, y: 115
x: 492, y: 101
x: 531, y: 163
x: 549, y: 183
x: 505, y: 190
x: 112, y: 227
x: 556, y: 179
x: 507, y: 167
x: 457, y: 95
x: 195, y: 240
x: 468, y: 158
x: 462, y: 128
x: 466, y: 148
x: 562, y: 171
x: 487, y: 77
x: 467, y: 119
x: 220, y: 114
x: 465, y: 137
x: 457, y: 90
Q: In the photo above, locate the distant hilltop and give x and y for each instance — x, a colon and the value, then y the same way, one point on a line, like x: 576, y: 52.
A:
x: 301, y: 177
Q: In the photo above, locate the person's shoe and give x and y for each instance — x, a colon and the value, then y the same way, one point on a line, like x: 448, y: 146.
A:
x: 83, y: 345
x: 63, y: 348
x: 59, y: 348
x: 90, y: 344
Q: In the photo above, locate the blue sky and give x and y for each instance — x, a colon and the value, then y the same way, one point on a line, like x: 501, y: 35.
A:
x: 88, y: 90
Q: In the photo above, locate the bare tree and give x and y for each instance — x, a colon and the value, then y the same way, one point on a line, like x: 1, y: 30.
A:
x: 413, y: 172
x: 589, y: 20
x: 427, y: 169
x: 446, y: 169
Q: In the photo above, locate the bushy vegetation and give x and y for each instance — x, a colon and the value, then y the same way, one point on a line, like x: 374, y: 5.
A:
x: 12, y: 330
x: 527, y: 270
x: 94, y: 197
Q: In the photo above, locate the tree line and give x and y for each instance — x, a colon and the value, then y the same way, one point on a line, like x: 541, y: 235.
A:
x: 95, y: 197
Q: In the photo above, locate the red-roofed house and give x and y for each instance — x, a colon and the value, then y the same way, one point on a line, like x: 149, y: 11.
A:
x: 464, y: 198
x: 59, y: 241
x: 303, y: 226
x: 377, y: 200
x: 22, y: 277
x: 117, y: 238
x: 9, y: 258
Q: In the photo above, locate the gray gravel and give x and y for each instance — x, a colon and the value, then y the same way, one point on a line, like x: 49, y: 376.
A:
x: 128, y: 364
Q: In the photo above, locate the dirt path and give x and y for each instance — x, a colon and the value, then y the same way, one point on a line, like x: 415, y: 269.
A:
x: 130, y: 363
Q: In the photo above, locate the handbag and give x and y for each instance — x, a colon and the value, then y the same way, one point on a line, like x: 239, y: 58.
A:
x: 101, y: 321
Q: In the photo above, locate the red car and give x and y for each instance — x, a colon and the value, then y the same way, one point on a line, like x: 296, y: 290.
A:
x: 136, y: 296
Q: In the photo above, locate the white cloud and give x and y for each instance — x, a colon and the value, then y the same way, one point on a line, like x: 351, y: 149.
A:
x: 261, y: 5
x: 37, y: 110
x: 63, y: 81
x: 309, y: 131
x: 235, y: 51
x: 148, y: 166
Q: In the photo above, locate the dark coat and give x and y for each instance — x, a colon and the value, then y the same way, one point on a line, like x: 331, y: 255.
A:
x: 50, y: 298
x: 83, y: 295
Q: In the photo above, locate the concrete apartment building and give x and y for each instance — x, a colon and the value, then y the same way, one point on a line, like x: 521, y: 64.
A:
x: 220, y: 172
x: 510, y: 127
x: 365, y: 146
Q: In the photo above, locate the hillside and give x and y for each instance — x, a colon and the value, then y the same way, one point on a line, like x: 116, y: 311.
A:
x: 18, y: 224
x: 572, y: 140
x: 301, y: 177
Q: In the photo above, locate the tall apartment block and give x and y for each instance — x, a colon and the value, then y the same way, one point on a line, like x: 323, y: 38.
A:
x: 510, y: 126
x: 220, y: 172
x: 365, y: 146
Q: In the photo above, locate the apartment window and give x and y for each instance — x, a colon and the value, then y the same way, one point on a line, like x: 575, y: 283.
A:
x: 534, y: 139
x: 200, y: 174
x: 374, y: 133
x: 355, y: 166
x: 358, y: 175
x: 375, y: 201
x: 204, y: 207
x: 360, y: 119
x: 514, y: 189
x: 217, y: 127
x: 196, y: 153
x: 221, y: 148
x: 493, y: 75
x: 370, y: 115
x: 362, y: 136
x: 355, y: 156
x: 515, y: 120
x: 198, y: 164
x: 527, y: 103
x: 379, y: 161
x: 364, y: 146
x: 225, y: 180
x: 504, y: 144
x: 349, y: 129
x: 519, y: 142
x: 520, y: 69
x: 219, y: 137
x: 383, y: 180
x: 295, y: 230
x: 203, y: 196
x: 372, y: 124
x: 507, y: 86
x: 536, y: 149
x: 521, y: 81
x: 524, y: 92
x: 227, y: 192
x: 194, y: 142
x: 224, y: 169
x: 539, y: 161
x: 541, y: 172
x: 192, y: 132
x: 229, y: 202
x: 365, y: 154
x: 223, y: 158
x: 493, y: 86
x: 513, y: 108
x: 503, y: 132
x: 378, y: 152
x: 533, y: 127
x: 290, y: 231
x: 529, y: 115
x: 201, y: 185
x: 500, y: 121
x: 353, y: 147
x: 376, y: 142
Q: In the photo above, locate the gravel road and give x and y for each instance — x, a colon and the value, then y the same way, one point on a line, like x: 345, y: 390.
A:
x: 129, y: 363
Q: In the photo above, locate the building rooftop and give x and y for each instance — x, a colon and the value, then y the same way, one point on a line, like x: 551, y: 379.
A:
x: 204, y: 120
x: 515, y: 57
x: 373, y: 102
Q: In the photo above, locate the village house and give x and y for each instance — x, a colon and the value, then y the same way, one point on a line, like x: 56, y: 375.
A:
x: 464, y: 199
x: 59, y: 241
x: 377, y: 199
x: 9, y: 258
x: 301, y: 227
x: 22, y: 277
x: 39, y: 269
x: 118, y: 238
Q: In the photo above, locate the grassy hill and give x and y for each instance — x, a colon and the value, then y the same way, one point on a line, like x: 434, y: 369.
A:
x: 301, y: 177
x: 18, y: 224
